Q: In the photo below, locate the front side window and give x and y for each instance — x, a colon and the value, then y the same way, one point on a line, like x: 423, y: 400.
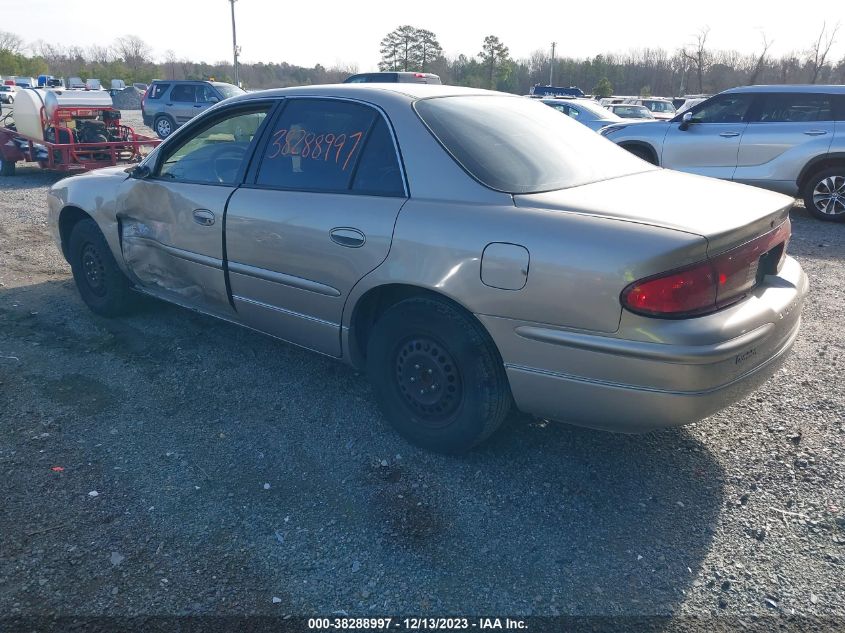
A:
x: 518, y: 145
x: 216, y: 153
x: 730, y: 108
x: 184, y: 93
x: 795, y: 108
x: 316, y: 145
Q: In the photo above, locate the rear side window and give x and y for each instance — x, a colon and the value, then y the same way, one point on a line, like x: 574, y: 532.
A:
x: 795, y: 108
x: 184, y: 93
x: 378, y: 171
x: 316, y: 145
x: 158, y: 90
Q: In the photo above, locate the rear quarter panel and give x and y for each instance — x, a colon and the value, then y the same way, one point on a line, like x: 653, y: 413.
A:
x: 578, y: 264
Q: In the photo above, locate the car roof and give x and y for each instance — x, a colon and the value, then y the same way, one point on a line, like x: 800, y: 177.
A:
x: 812, y: 88
x: 373, y: 91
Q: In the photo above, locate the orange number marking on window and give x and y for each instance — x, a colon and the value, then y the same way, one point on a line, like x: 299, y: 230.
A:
x: 357, y: 136
x: 278, y: 135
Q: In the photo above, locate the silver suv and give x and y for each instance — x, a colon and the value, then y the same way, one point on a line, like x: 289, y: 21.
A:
x: 168, y: 104
x: 785, y: 138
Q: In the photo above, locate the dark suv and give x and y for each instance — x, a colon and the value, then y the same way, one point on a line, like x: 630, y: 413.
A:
x: 167, y: 104
x: 393, y: 77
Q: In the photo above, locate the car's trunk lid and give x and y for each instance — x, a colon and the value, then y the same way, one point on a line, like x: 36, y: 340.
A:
x: 725, y: 214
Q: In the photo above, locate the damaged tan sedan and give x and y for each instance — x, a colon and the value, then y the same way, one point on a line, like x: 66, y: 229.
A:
x: 468, y: 249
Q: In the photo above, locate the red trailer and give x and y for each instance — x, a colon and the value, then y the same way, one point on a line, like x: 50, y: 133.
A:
x: 75, y: 138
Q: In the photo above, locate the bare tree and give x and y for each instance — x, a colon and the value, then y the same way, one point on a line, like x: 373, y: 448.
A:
x: 100, y: 54
x: 699, y: 56
x: 817, y: 55
x: 761, y: 60
x: 11, y: 42
x: 134, y: 51
x: 170, y: 63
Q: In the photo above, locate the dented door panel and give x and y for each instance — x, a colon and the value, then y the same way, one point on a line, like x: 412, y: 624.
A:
x: 172, y: 240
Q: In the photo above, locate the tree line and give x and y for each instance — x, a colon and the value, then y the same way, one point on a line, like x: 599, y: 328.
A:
x: 696, y: 68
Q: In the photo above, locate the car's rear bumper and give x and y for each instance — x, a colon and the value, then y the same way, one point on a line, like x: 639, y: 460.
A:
x: 653, y: 372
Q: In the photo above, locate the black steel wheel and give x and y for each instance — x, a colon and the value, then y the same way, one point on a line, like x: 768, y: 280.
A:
x: 437, y: 375
x: 101, y: 284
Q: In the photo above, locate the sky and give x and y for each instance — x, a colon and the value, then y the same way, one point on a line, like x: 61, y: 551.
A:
x: 329, y: 32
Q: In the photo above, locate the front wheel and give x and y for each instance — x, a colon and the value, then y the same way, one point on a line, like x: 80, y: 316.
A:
x: 102, y: 285
x: 437, y: 375
x: 7, y: 168
x: 824, y: 194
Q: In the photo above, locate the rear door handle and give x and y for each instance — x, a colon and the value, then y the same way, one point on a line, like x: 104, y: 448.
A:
x: 199, y: 105
x: 728, y: 134
x: 203, y: 217
x: 815, y: 132
x: 352, y: 238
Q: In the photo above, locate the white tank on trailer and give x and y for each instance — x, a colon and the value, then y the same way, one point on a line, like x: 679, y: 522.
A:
x: 28, y: 104
x: 27, y: 112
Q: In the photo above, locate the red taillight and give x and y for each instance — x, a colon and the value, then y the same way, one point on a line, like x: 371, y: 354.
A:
x: 712, y: 284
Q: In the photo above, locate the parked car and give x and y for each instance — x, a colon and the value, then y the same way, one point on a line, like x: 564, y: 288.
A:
x: 630, y: 111
x: 168, y: 104
x: 789, y: 139
x: 584, y: 111
x: 547, y: 91
x: 75, y: 83
x: 393, y: 77
x: 7, y: 94
x: 465, y: 248
x: 661, y: 109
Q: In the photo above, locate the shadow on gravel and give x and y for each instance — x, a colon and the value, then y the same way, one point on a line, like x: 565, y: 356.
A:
x: 238, y: 469
x: 814, y: 238
x: 29, y: 175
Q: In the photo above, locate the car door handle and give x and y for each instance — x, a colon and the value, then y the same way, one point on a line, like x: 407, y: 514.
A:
x: 728, y: 134
x: 168, y: 104
x: 203, y: 217
x: 352, y: 238
x: 199, y: 105
x: 815, y: 132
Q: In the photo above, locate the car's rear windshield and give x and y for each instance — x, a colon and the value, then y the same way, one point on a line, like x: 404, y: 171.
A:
x: 228, y: 90
x: 519, y: 145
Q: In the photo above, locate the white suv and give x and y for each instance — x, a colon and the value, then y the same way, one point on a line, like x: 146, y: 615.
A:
x: 785, y: 138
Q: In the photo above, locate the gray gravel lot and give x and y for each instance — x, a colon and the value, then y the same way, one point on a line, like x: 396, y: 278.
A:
x: 210, y: 470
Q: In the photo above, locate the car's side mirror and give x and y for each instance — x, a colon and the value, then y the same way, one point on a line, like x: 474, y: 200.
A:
x: 685, y: 121
x: 138, y: 171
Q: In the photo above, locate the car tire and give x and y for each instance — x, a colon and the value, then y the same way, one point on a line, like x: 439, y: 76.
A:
x: 641, y: 152
x: 7, y: 168
x: 164, y: 126
x: 824, y: 194
x: 432, y: 345
x: 101, y: 284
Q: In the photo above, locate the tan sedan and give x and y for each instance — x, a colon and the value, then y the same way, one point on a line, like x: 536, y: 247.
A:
x: 468, y: 249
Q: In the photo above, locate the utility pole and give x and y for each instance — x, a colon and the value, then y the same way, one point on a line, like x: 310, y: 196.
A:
x: 552, y: 66
x: 235, y: 49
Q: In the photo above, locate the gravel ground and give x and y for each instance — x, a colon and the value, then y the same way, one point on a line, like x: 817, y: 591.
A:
x: 206, y: 469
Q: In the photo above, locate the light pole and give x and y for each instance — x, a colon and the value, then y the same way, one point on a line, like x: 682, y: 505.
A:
x: 235, y: 44
x: 552, y: 66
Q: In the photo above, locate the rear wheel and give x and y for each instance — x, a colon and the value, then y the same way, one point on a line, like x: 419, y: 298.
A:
x: 164, y: 126
x: 102, y: 285
x: 437, y: 375
x: 824, y: 194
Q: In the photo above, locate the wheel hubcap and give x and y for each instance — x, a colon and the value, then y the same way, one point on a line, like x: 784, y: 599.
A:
x: 92, y: 266
x: 829, y: 195
x: 163, y: 127
x: 428, y: 379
